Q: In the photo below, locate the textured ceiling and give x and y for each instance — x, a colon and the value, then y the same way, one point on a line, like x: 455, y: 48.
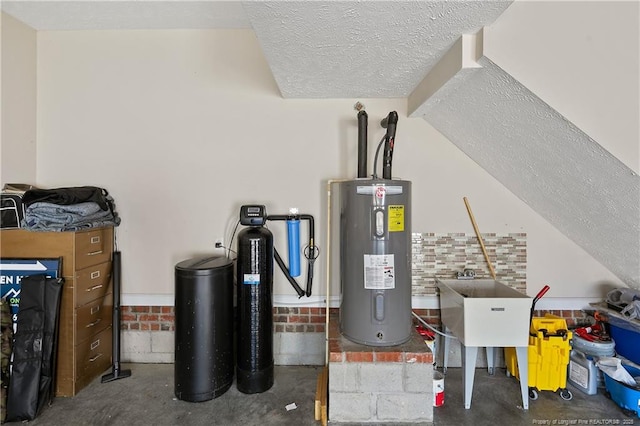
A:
x: 316, y: 49
x: 361, y: 49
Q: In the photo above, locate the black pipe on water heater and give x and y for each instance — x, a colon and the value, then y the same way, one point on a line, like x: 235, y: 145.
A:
x: 363, y: 121
x: 389, y: 122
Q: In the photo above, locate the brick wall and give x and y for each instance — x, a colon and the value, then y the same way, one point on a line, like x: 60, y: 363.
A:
x: 294, y: 319
x: 299, y: 338
x: 162, y: 318
x: 147, y: 318
x: 574, y: 318
x: 148, y: 334
x: 299, y: 320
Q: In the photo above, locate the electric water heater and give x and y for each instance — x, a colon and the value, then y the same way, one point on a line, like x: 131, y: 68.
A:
x: 375, y: 259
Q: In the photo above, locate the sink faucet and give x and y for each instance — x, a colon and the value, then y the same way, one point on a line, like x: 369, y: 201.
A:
x: 467, y: 274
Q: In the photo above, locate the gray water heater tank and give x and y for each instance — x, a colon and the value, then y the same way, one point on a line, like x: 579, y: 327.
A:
x: 375, y: 261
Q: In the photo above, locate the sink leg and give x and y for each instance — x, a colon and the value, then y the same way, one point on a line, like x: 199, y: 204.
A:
x: 445, y: 348
x: 522, y: 354
x: 491, y: 359
x: 469, y: 355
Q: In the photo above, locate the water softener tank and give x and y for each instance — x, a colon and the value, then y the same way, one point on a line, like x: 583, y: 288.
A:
x: 375, y: 261
x: 254, y: 348
x: 204, y: 328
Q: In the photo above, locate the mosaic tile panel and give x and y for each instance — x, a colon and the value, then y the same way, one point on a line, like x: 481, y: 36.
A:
x: 444, y: 255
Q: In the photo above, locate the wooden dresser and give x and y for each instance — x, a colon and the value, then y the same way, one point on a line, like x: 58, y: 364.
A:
x: 84, y: 345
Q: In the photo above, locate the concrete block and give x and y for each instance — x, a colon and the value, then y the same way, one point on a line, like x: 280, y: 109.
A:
x: 138, y: 342
x: 148, y: 358
x: 297, y: 359
x: 343, y: 377
x: 303, y: 343
x: 147, y: 347
x: 404, y: 407
x: 288, y: 359
x: 350, y: 407
x: 163, y: 341
x: 299, y: 348
x: 381, y: 377
x: 418, y: 377
x: 277, y: 343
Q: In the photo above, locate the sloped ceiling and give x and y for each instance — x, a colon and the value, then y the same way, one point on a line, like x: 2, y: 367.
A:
x: 558, y: 170
x: 373, y: 49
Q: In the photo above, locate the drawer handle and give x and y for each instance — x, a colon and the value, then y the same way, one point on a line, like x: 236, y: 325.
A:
x: 93, y: 253
x: 95, y: 274
x: 95, y: 287
x: 95, y: 240
x: 95, y: 344
x: 95, y: 357
x: 93, y: 324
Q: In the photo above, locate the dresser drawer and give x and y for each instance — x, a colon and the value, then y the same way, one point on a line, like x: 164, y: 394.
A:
x: 93, y: 318
x: 94, y: 356
x: 93, y: 247
x: 92, y: 283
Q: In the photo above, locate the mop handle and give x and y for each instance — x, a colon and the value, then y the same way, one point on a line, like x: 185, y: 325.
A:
x: 541, y: 293
x: 479, y: 236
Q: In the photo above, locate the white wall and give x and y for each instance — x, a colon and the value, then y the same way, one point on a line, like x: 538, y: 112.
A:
x: 18, y: 143
x: 183, y: 127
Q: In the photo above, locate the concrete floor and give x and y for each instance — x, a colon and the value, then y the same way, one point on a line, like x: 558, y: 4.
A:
x: 147, y: 398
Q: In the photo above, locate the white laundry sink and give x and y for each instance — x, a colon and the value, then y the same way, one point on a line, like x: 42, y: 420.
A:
x: 485, y: 313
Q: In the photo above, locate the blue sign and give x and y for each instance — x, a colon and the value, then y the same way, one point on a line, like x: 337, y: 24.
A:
x: 13, y: 270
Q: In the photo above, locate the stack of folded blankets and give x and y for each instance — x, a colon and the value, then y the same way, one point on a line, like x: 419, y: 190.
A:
x: 68, y: 209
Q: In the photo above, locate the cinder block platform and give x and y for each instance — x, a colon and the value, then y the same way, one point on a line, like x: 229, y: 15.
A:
x: 367, y: 384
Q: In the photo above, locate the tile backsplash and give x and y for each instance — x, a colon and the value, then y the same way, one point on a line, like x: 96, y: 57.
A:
x: 444, y: 255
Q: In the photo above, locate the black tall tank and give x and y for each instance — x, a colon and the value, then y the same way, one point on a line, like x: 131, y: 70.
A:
x: 204, y: 328
x: 254, y: 352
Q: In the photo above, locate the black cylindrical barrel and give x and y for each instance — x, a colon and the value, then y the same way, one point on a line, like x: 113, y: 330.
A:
x: 254, y: 351
x: 204, y: 328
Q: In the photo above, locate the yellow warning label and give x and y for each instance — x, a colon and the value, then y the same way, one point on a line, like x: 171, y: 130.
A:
x: 396, y: 218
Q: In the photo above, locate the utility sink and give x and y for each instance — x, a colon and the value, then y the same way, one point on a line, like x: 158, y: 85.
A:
x: 489, y: 314
x: 485, y: 313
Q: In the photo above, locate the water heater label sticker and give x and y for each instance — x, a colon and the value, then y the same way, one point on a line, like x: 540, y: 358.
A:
x: 379, y: 272
x: 396, y: 218
x: 251, y: 279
